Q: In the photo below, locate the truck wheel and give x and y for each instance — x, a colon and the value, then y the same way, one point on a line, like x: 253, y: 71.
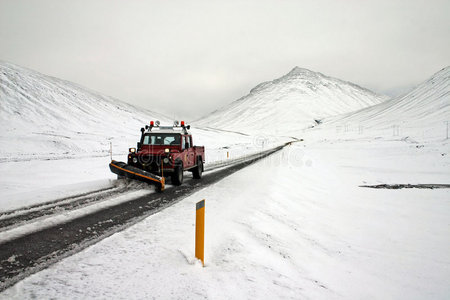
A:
x: 177, y: 176
x: 197, y: 172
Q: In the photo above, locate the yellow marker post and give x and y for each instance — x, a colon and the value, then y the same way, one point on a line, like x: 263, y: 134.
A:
x: 228, y: 154
x: 200, y: 231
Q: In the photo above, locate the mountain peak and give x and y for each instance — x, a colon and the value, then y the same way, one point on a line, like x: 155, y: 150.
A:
x: 301, y: 71
x: 295, y: 74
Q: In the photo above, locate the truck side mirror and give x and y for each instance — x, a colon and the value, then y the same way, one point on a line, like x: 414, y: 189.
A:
x: 138, y: 145
x: 186, y: 146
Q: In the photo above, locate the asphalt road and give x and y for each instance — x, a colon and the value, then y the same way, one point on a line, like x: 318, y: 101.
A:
x: 33, y: 252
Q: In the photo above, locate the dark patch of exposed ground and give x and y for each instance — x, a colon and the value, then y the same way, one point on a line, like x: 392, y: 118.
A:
x: 408, y: 186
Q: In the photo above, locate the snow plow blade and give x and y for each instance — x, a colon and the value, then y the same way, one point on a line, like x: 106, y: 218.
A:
x: 125, y: 170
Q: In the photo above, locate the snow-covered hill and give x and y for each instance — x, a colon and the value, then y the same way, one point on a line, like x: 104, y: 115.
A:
x: 291, y: 103
x: 421, y: 114
x: 49, y: 117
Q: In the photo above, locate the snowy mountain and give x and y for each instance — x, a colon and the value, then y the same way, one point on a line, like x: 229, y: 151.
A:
x: 43, y: 116
x: 421, y: 114
x: 291, y: 103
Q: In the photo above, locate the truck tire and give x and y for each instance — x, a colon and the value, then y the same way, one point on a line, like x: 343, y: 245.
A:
x: 177, y: 176
x: 198, y: 170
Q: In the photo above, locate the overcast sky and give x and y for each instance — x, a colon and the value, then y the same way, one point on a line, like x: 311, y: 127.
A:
x: 186, y: 58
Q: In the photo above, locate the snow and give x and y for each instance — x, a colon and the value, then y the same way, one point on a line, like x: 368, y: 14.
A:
x: 41, y: 224
x: 422, y: 115
x: 296, y: 224
x: 46, y: 180
x: 45, y: 117
x: 291, y: 103
x: 304, y: 229
x: 60, y: 133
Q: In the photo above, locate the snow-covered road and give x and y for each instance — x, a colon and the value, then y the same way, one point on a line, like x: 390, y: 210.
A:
x: 294, y: 225
x: 40, y: 235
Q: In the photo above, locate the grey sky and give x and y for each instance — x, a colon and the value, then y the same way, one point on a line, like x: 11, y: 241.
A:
x: 186, y: 58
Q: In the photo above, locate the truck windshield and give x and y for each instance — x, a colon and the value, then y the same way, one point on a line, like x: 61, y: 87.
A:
x: 162, y: 139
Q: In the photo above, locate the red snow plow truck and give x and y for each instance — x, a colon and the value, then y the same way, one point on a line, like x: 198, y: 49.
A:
x: 162, y: 151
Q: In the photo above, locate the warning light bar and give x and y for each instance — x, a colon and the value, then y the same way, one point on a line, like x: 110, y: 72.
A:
x: 176, y: 125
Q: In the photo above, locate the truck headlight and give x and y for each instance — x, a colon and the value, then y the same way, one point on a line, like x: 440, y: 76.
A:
x: 132, y: 150
x: 135, y: 159
x: 167, y: 150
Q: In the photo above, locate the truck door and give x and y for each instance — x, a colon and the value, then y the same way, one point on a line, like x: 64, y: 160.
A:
x: 188, y: 152
x: 191, y: 151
